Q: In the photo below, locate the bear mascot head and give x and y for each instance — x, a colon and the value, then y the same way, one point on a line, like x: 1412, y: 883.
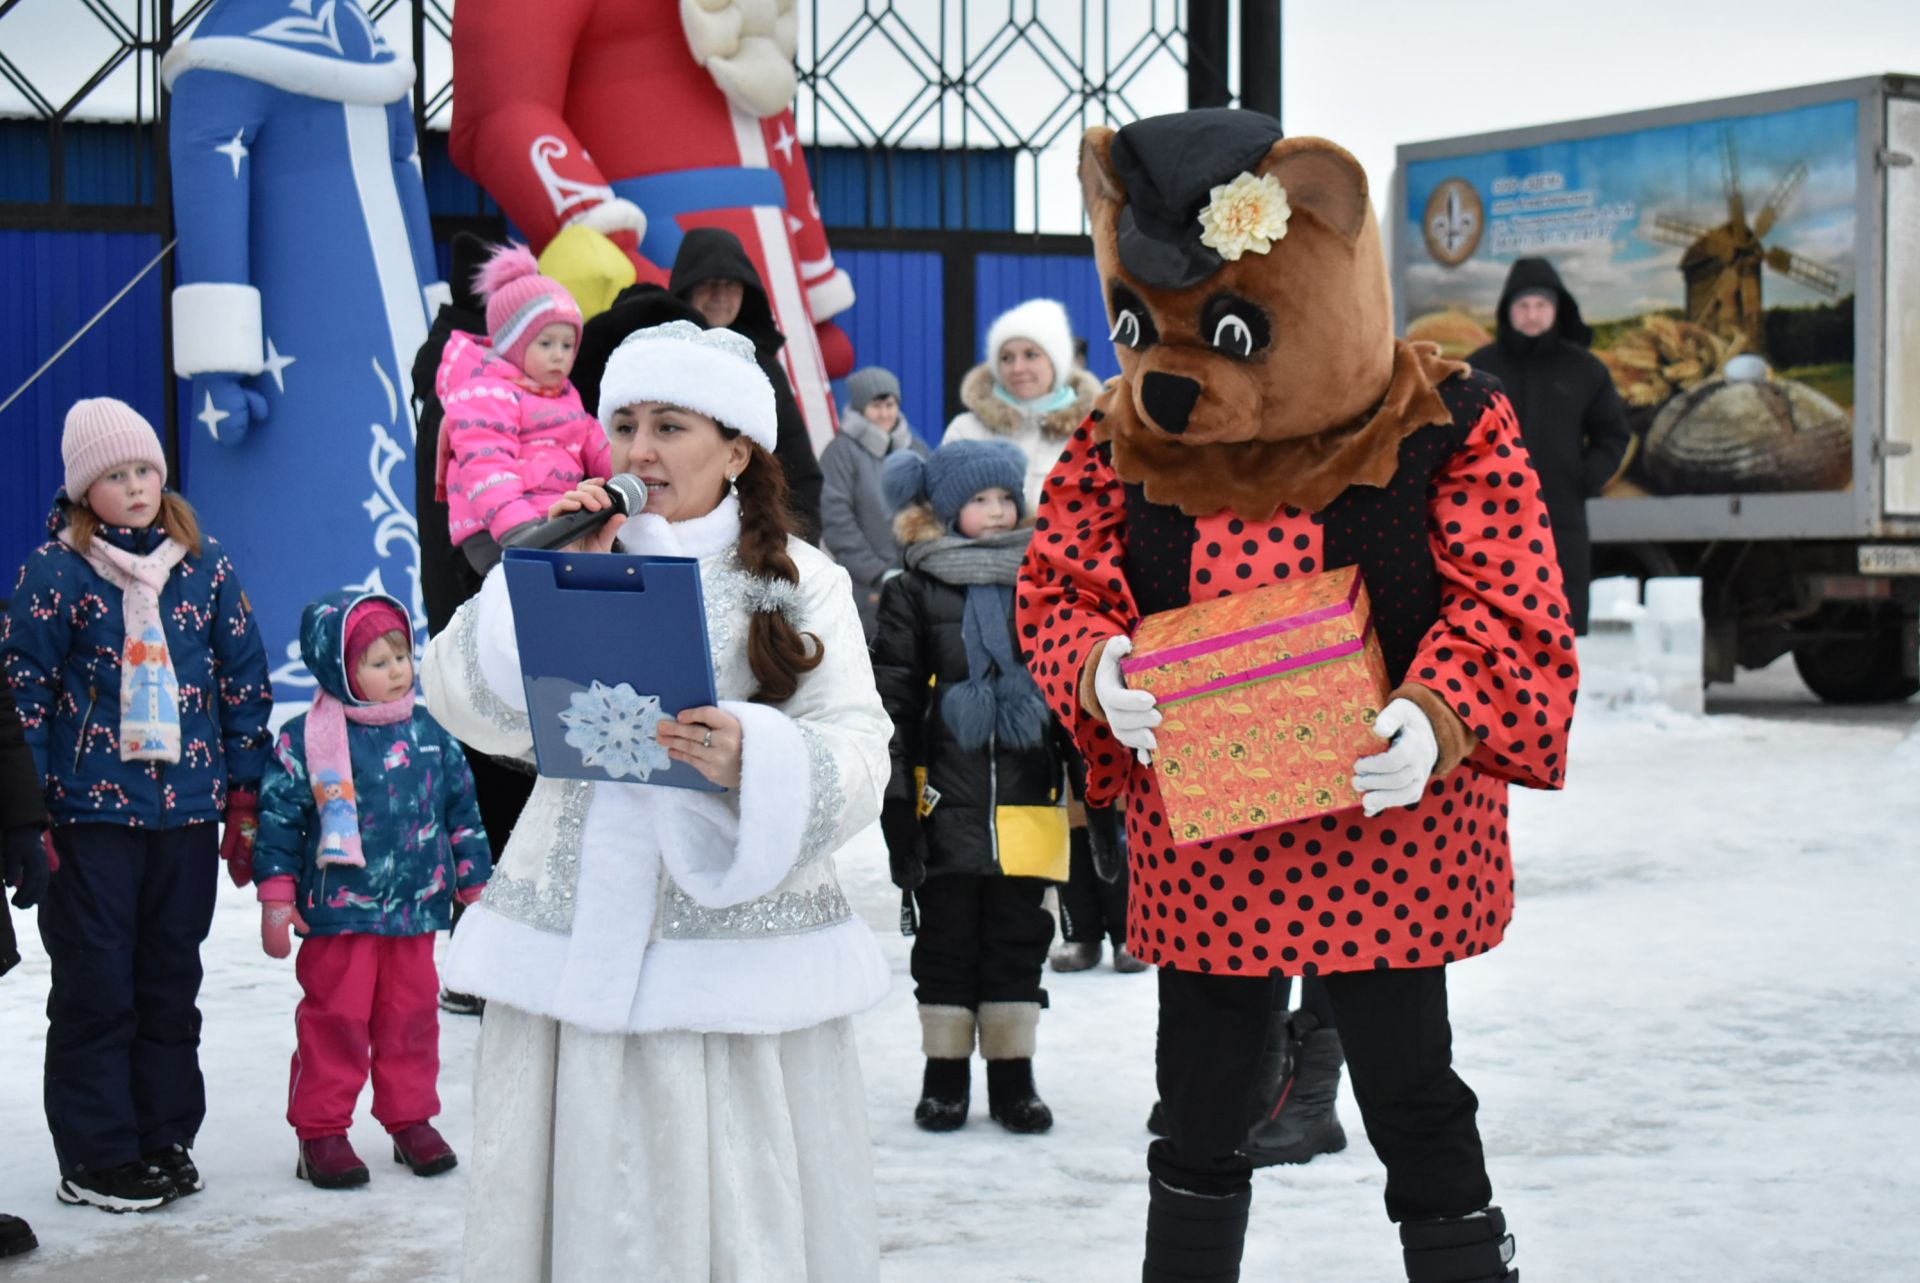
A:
x: 1247, y: 286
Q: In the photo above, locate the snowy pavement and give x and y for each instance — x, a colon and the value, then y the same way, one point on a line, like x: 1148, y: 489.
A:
x: 1697, y: 1056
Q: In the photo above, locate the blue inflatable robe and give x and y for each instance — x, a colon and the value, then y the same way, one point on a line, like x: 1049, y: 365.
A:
x: 304, y: 263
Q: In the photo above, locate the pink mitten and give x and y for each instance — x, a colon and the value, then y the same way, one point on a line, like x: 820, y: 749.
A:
x: 468, y: 895
x: 278, y: 917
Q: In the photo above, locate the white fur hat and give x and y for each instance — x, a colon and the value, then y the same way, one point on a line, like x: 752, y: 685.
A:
x: 1042, y: 321
x: 714, y: 372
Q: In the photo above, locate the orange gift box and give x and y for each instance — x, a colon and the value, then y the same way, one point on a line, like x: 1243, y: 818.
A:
x: 1267, y: 698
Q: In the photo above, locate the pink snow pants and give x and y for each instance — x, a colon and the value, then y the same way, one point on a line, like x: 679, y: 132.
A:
x: 368, y: 999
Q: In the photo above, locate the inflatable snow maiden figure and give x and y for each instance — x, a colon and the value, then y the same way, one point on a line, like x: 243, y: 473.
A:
x: 304, y: 262
x: 667, y: 1086
x: 1267, y: 424
x: 643, y: 119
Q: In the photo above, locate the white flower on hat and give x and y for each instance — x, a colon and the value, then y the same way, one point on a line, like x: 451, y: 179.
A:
x: 1249, y: 213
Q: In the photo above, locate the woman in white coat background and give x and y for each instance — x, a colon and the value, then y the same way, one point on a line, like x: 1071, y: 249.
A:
x: 1028, y: 390
x: 667, y: 1085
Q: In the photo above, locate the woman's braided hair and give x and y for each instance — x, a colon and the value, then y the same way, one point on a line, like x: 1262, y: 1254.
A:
x: 779, y: 653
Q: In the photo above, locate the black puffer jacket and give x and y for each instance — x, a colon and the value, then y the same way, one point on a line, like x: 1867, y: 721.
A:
x: 918, y: 656
x: 1571, y: 417
x: 714, y: 254
x: 23, y: 802
x: 446, y: 577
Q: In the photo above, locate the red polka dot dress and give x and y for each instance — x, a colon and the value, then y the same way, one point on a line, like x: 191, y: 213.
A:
x: 1459, y: 562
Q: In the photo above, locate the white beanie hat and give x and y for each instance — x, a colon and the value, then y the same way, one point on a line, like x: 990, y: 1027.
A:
x: 1041, y: 321
x: 713, y: 372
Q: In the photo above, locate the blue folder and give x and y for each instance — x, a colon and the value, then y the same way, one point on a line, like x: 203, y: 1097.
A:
x: 609, y: 645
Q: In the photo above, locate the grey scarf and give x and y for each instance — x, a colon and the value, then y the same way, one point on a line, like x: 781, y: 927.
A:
x: 999, y: 697
x: 870, y: 438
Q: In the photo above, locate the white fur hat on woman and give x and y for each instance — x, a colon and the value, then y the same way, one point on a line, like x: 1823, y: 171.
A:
x: 1043, y: 322
x: 713, y: 372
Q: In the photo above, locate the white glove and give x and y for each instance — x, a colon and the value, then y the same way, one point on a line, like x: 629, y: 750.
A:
x: 1398, y: 777
x: 1131, y: 715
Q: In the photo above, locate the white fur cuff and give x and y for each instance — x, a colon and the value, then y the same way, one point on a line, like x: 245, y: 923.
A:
x: 828, y: 298
x: 217, y: 330
x: 610, y: 216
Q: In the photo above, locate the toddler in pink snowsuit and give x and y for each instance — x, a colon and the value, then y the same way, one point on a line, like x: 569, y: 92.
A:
x: 515, y: 437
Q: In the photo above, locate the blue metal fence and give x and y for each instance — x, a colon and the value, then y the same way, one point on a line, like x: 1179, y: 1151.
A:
x: 52, y: 282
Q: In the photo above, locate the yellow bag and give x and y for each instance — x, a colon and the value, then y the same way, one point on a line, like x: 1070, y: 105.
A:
x: 1033, y: 841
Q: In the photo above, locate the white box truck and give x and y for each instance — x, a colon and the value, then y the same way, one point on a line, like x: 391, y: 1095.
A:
x: 1751, y: 270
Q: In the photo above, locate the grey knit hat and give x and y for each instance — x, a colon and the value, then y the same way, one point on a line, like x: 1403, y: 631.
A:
x: 866, y: 385
x: 955, y: 473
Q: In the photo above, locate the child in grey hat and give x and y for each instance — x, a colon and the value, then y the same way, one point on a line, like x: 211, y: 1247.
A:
x: 856, y: 524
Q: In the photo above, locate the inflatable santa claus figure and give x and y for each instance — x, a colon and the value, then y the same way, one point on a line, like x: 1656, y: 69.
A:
x: 643, y: 119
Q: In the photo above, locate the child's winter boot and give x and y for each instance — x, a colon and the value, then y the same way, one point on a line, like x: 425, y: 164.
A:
x: 423, y: 1150
x: 1194, y: 1238
x: 946, y: 1037
x: 1008, y: 1031
x: 130, y: 1187
x: 176, y: 1164
x: 1298, y: 1121
x: 1460, y: 1249
x: 330, y: 1163
x: 16, y: 1236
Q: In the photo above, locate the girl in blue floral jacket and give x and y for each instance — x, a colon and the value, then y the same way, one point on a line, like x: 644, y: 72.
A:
x: 143, y: 691
x: 369, y: 832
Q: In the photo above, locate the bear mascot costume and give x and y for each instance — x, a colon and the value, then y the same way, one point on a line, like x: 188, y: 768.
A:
x: 1266, y: 423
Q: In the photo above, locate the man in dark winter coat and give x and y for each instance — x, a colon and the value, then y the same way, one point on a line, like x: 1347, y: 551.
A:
x: 447, y: 578
x: 712, y: 259
x: 1570, y: 415
x: 23, y: 828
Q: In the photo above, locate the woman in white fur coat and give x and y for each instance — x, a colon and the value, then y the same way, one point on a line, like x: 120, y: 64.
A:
x: 667, y: 1086
x: 1028, y: 390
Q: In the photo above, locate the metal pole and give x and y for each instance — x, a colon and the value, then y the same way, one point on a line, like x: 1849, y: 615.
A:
x: 1260, y: 56
x: 164, y: 33
x: 1207, y: 38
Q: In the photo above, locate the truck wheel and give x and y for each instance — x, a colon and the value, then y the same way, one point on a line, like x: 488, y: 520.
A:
x: 1864, y: 668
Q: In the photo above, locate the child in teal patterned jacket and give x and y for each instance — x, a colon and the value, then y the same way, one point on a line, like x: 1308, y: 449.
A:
x: 368, y: 834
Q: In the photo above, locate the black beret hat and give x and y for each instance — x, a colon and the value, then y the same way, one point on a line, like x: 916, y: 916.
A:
x: 1169, y: 166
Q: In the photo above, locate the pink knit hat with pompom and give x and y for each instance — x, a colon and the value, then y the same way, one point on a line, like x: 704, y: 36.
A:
x: 521, y: 302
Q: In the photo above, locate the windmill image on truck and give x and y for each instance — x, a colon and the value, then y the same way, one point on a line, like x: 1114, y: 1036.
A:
x: 1768, y: 354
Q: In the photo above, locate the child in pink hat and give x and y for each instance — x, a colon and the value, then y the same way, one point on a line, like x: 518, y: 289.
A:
x: 516, y: 436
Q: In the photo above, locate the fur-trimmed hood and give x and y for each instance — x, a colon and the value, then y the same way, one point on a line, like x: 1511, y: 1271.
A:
x: 916, y: 523
x: 977, y: 394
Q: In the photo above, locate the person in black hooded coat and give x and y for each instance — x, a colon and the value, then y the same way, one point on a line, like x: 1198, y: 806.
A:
x: 714, y: 254
x: 1570, y: 415
x: 23, y: 827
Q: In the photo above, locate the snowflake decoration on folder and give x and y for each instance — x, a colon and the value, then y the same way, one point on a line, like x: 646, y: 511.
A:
x: 613, y: 729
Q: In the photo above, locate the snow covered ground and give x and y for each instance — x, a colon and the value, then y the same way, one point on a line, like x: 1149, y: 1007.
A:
x: 1697, y: 1056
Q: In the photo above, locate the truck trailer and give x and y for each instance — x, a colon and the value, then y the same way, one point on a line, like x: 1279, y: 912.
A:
x: 1750, y: 267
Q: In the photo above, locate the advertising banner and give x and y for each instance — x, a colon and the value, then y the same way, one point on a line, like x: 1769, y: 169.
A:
x: 1715, y: 262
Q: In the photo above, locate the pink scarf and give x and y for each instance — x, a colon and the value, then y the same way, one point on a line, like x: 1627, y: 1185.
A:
x: 330, y: 770
x: 149, y: 688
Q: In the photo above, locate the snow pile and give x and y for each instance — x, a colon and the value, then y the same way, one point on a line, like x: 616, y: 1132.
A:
x: 1638, y: 653
x: 1696, y: 1057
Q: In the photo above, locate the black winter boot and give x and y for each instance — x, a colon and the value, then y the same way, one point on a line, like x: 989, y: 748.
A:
x: 946, y: 1039
x: 1460, y: 1249
x: 1299, y: 1122
x: 1194, y: 1238
x: 945, y: 1094
x: 1013, y: 1101
x: 1008, y: 1034
x: 16, y: 1236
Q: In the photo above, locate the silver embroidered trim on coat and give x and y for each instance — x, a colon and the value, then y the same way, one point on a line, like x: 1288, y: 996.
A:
x: 789, y: 913
x: 723, y: 589
x: 826, y: 798
x: 550, y: 907
x: 487, y: 704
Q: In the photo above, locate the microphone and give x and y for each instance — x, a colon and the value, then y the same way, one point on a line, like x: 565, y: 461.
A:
x: 629, y: 496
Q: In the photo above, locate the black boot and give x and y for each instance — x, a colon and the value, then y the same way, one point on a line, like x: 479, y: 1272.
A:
x: 1460, y: 1249
x: 1194, y: 1238
x: 1012, y: 1100
x: 945, y: 1094
x: 1299, y: 1121
x: 1008, y: 1034
x: 946, y: 1040
x: 16, y: 1236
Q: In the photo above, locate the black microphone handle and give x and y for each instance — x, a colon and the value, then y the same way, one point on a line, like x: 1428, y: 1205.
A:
x: 628, y: 495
